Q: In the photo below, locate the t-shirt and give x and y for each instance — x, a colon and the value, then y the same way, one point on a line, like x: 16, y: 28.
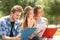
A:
x: 11, y: 32
x: 41, y: 25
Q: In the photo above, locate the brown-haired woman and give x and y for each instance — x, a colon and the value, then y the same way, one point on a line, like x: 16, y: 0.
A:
x: 41, y: 22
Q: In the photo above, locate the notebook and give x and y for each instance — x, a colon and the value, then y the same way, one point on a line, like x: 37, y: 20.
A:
x: 27, y: 32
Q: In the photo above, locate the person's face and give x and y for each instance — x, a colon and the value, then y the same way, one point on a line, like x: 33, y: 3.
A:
x: 16, y: 15
x: 31, y: 14
x: 39, y: 12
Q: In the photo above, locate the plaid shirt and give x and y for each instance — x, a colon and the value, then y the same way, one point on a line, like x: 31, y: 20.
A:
x: 5, y: 27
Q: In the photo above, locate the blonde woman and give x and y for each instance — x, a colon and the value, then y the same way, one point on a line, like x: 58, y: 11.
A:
x: 28, y: 19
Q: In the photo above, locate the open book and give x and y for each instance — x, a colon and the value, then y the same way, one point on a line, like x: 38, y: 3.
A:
x: 49, y: 32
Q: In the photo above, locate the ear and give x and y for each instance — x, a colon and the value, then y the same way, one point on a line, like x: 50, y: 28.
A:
x: 11, y: 13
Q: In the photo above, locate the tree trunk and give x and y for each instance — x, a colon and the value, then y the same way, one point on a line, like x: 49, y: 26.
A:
x: 56, y: 19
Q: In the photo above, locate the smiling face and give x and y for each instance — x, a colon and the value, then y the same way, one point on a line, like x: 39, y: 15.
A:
x: 31, y: 14
x: 39, y: 12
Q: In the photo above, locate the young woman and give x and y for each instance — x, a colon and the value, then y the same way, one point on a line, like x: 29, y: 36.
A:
x: 28, y: 19
x: 41, y: 22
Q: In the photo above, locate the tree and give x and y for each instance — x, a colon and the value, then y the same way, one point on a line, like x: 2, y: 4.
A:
x: 53, y: 9
x: 8, y: 4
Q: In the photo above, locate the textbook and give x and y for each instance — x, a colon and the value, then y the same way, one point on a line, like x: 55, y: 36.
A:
x: 49, y: 32
x: 27, y: 32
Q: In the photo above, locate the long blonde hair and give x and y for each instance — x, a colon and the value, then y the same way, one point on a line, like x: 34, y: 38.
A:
x: 26, y: 15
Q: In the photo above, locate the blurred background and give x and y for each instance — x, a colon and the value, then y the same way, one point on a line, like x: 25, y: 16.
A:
x: 51, y: 9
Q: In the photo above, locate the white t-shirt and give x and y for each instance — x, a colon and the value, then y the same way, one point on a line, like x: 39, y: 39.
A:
x: 41, y: 25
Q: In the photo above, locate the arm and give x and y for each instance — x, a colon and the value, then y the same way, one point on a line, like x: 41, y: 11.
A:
x: 18, y: 37
x: 11, y: 38
x: 47, y: 22
x: 2, y: 29
x: 4, y: 37
x: 34, y: 34
x: 37, y: 31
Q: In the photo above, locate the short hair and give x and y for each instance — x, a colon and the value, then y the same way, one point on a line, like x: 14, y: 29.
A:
x: 17, y: 8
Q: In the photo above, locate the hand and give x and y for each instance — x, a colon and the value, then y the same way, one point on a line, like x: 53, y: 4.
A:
x: 5, y: 38
x: 15, y: 38
x: 30, y: 37
x: 18, y: 38
x: 41, y: 30
x: 11, y: 38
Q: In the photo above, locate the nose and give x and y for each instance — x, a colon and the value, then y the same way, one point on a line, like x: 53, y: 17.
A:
x: 18, y: 17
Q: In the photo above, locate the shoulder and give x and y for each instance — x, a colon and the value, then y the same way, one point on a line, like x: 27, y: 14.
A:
x: 43, y: 18
x: 4, y: 18
x: 18, y: 22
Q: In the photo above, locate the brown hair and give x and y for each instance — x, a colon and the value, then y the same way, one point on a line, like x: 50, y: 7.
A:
x: 26, y: 14
x: 16, y: 8
x: 36, y: 9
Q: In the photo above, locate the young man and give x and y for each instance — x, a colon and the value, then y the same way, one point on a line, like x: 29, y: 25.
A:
x: 10, y: 25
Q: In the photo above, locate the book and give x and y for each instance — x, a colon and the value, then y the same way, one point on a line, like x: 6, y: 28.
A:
x: 27, y: 32
x: 49, y: 32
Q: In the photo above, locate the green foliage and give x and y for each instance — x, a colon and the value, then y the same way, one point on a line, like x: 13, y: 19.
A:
x: 8, y: 4
x: 55, y: 8
x: 51, y: 7
x: 52, y: 10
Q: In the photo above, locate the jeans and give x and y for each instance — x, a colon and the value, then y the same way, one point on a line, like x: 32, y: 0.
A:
x: 35, y: 38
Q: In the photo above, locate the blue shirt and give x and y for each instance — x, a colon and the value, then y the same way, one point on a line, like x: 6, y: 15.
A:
x: 5, y: 27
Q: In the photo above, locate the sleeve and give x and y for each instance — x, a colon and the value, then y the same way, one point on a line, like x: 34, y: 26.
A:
x: 19, y: 29
x: 2, y: 29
